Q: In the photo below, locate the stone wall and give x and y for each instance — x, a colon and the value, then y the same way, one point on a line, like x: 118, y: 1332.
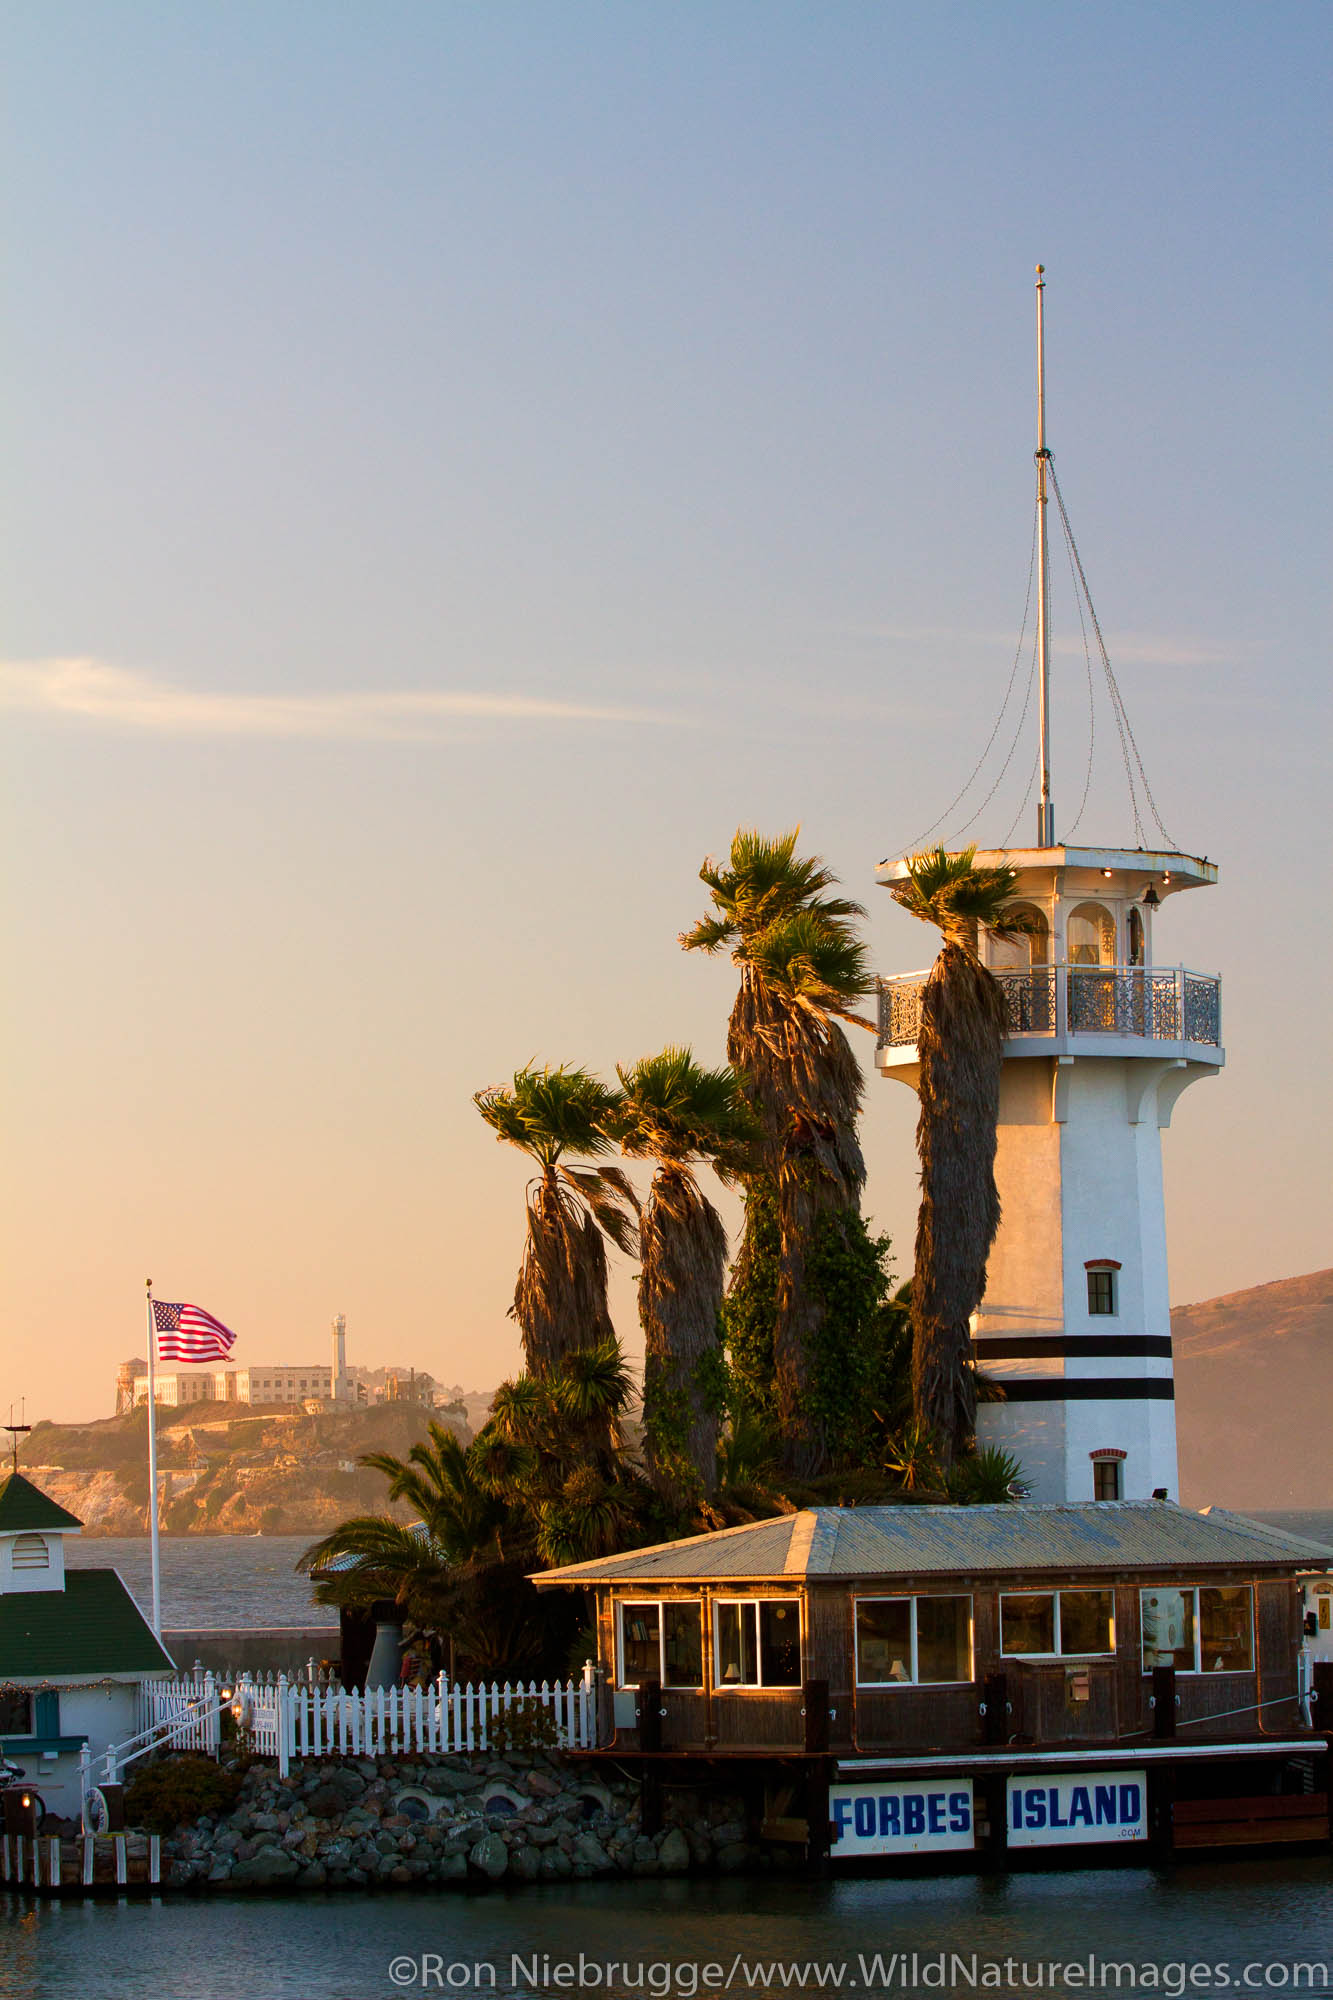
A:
x: 535, y: 1817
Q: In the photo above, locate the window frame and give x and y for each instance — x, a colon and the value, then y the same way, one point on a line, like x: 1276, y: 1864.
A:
x: 29, y: 1727
x: 1069, y: 1590
x: 761, y: 1686
x: 1095, y: 1274
x: 930, y: 1596
x: 659, y: 1604
x: 1193, y: 1590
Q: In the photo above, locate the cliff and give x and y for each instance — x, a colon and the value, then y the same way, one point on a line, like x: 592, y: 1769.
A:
x: 227, y: 1471
x: 1254, y: 1396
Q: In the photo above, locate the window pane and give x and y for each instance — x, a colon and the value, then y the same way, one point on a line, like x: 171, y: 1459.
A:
x: 1101, y: 1291
x: 944, y: 1638
x: 884, y: 1639
x: 1225, y: 1626
x: 780, y: 1642
x: 1027, y: 1623
x: 1086, y: 1621
x: 1106, y: 1479
x: 684, y: 1649
x: 15, y: 1715
x: 641, y: 1658
x: 1168, y: 1629
x: 737, y: 1658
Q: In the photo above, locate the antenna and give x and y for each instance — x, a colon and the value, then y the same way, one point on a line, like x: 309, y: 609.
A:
x: 1045, y: 809
x: 16, y: 1431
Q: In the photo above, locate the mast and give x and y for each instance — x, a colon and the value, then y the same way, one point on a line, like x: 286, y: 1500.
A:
x: 1045, y: 809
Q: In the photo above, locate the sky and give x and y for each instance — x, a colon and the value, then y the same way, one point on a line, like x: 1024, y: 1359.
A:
x: 463, y: 460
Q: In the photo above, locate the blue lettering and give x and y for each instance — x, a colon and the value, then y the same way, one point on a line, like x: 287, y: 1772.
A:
x: 914, y: 1813
x: 960, y: 1819
x: 865, y: 1817
x: 890, y: 1813
x: 1080, y: 1807
x: 1016, y: 1806
x: 1105, y: 1796
x: 842, y: 1812
x: 1055, y: 1808
x: 1131, y: 1804
x: 1035, y: 1801
x: 935, y: 1812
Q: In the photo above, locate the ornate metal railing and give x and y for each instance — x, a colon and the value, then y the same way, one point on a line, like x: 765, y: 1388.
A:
x: 1157, y: 1003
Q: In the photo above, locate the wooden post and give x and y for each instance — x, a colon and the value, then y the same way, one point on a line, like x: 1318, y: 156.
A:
x: 1164, y: 1701
x: 815, y: 1709
x: 648, y: 1714
x: 1161, y: 1803
x: 122, y: 1863
x: 89, y: 1857
x: 995, y: 1699
x: 155, y: 1857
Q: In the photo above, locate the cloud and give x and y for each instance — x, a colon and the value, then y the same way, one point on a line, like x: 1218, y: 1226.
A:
x: 92, y: 691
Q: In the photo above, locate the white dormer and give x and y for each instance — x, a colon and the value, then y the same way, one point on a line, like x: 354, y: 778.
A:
x: 32, y: 1538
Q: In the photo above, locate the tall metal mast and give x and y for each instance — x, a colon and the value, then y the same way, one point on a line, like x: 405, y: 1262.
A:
x: 1045, y: 809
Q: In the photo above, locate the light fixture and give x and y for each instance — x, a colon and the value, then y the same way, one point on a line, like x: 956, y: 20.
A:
x: 1108, y: 872
x: 1166, y: 875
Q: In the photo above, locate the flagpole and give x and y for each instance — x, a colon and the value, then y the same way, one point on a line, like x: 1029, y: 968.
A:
x: 152, y: 1467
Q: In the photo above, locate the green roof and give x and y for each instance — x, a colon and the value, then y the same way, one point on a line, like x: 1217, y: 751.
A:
x: 90, y: 1628
x: 23, y: 1505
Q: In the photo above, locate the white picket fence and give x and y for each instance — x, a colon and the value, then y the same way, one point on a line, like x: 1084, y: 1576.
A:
x: 302, y: 1718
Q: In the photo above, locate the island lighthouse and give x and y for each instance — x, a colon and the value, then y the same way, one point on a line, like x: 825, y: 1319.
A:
x: 1075, y: 1325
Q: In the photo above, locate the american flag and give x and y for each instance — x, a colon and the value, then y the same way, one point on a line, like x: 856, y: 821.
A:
x: 188, y: 1333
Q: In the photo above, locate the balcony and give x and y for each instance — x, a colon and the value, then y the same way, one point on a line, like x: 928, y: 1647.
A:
x: 1060, y: 1004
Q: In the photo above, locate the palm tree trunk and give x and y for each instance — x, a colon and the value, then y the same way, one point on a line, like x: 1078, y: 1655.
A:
x: 560, y: 1298
x: 680, y: 1298
x: 963, y: 1027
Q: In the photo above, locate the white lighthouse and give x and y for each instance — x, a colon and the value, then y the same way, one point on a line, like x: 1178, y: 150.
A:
x: 1075, y: 1326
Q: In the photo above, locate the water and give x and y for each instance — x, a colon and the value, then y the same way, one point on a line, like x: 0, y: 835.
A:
x: 689, y: 1936
x: 227, y: 1580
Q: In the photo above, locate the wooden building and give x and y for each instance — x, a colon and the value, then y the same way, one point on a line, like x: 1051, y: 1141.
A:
x: 995, y: 1647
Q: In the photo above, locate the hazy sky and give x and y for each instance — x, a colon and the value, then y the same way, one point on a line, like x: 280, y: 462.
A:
x: 464, y: 459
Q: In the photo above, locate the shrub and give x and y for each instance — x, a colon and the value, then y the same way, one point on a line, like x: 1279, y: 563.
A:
x: 524, y: 1725
x: 177, y: 1790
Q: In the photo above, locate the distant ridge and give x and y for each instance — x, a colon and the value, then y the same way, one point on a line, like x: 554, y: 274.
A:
x: 1254, y: 1396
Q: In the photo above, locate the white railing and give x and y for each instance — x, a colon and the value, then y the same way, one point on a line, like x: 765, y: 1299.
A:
x: 303, y: 1718
x: 1152, y: 1002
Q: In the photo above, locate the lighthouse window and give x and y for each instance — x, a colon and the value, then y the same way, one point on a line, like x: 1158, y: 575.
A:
x: 1090, y: 935
x: 1106, y: 1479
x: 1066, y: 1622
x: 1209, y: 1630
x: 1101, y: 1291
x: 921, y: 1640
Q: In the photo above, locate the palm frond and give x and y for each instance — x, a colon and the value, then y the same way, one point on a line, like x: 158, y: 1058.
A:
x: 549, y: 1112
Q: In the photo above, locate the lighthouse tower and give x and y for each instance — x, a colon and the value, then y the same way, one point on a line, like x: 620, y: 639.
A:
x: 1075, y: 1326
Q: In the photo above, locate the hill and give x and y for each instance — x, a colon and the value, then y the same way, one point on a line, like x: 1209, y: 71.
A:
x: 225, y: 1470
x: 1254, y: 1396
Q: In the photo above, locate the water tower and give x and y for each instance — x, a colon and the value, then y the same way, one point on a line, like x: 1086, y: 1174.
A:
x: 1075, y: 1326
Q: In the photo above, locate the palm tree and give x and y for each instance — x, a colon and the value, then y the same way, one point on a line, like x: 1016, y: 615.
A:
x: 802, y: 969
x: 675, y: 1113
x: 560, y: 1299
x: 960, y: 1047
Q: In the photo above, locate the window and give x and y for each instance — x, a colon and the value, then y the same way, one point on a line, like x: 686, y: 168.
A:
x: 757, y: 1642
x: 1090, y: 935
x: 915, y: 1640
x: 662, y: 1642
x: 1101, y: 1288
x: 15, y: 1714
x: 1208, y: 1629
x: 1106, y: 1479
x: 1057, y: 1622
x: 30, y: 1552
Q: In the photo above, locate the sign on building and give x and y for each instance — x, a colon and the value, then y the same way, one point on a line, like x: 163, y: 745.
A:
x: 1078, y: 1807
x: 910, y: 1818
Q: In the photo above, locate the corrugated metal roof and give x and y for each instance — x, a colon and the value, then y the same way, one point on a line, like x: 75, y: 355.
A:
x: 914, y: 1541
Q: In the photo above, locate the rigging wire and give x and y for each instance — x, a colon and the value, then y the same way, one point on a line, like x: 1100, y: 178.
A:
x: 1092, y: 706
x: 917, y: 844
x: 1023, y: 802
x: 1127, y: 740
x: 1018, y: 737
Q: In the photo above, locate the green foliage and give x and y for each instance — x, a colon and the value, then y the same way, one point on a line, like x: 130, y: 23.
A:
x: 177, y: 1790
x: 848, y: 1269
x: 989, y: 1477
x: 750, y: 1309
x: 524, y: 1725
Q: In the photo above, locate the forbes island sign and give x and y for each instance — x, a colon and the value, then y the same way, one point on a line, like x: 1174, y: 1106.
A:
x: 1077, y: 1808
x: 912, y: 1818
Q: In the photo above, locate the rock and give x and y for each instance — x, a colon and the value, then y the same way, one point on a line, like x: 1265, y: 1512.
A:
x: 555, y: 1865
x: 733, y: 1856
x: 451, y: 1868
x: 541, y: 1786
x: 400, y: 1874
x: 589, y: 1853
x: 541, y: 1836
x: 730, y: 1831
x: 490, y: 1857
x: 673, y: 1856
x: 268, y: 1866
x: 525, y: 1863
x: 325, y: 1801
x: 221, y: 1871
x: 444, y: 1781
x: 313, y: 1876
x: 365, y: 1767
